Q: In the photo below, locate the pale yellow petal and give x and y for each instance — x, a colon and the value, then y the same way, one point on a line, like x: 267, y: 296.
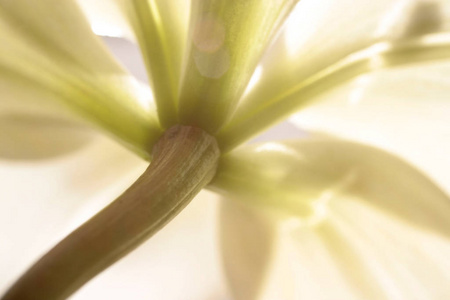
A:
x: 365, y: 224
x: 30, y: 137
x: 52, y: 63
x: 328, y: 42
x: 248, y: 240
x: 298, y: 178
x: 369, y: 255
x: 404, y: 110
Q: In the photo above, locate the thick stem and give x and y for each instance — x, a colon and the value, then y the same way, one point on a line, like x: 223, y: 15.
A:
x: 184, y: 161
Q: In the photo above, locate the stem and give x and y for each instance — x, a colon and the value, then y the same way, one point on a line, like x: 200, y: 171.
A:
x: 185, y: 160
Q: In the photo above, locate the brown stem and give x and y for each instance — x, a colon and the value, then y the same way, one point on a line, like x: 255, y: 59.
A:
x: 184, y: 161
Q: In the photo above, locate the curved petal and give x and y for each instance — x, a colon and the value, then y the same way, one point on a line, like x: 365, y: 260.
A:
x: 404, y: 110
x: 335, y: 41
x: 160, y: 27
x: 396, y: 230
x: 368, y: 255
x: 246, y: 267
x: 51, y: 63
x: 29, y: 137
x: 228, y: 39
x: 297, y: 178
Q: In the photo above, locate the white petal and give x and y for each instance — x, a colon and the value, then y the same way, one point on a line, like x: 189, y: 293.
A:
x: 336, y: 41
x: 36, y: 137
x: 372, y: 255
x: 404, y: 110
x: 52, y: 63
x: 248, y: 239
x: 105, y: 18
x: 311, y: 183
x: 296, y: 178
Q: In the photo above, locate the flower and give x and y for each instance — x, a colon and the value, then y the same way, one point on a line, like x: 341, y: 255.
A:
x: 342, y: 218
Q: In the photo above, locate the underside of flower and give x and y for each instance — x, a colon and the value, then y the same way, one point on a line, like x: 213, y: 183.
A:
x: 298, y: 213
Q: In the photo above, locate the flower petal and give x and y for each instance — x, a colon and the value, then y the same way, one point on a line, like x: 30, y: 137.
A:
x: 404, y: 110
x: 365, y: 224
x: 246, y: 267
x: 50, y: 62
x: 105, y: 18
x: 26, y: 137
x: 228, y: 38
x: 160, y: 27
x: 369, y: 255
x: 336, y: 41
x: 297, y: 178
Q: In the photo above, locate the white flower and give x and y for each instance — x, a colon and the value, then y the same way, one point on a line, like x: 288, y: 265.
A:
x: 316, y: 218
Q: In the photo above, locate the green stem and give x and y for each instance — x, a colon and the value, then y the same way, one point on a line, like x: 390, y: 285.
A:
x: 185, y: 160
